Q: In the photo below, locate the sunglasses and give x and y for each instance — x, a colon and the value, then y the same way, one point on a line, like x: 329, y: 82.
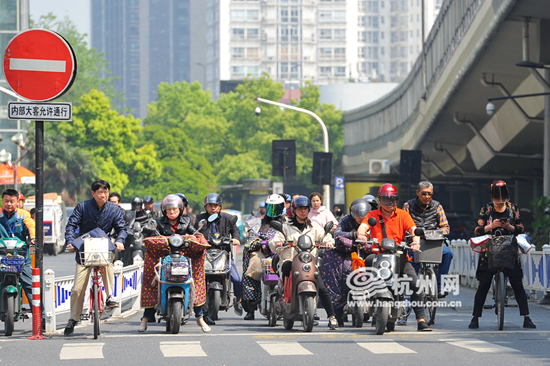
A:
x: 427, y: 193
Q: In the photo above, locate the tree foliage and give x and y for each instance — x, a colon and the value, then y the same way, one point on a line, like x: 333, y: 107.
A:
x: 541, y: 224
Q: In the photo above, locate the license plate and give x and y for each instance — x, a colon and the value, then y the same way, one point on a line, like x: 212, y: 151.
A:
x: 180, y: 271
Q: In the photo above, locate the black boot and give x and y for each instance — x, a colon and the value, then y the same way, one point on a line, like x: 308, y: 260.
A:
x: 528, y: 323
x: 249, y: 316
x: 474, y: 324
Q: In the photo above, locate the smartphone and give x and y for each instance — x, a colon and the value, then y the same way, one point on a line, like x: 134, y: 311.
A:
x: 503, y: 221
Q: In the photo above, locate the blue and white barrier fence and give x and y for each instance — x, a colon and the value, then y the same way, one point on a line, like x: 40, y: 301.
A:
x: 57, y: 292
x: 535, y: 264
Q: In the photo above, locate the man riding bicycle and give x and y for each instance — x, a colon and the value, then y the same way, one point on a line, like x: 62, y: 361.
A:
x: 96, y: 213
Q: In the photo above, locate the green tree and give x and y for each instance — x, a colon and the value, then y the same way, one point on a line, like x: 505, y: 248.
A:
x: 541, y: 224
x: 187, y: 130
x: 111, y: 139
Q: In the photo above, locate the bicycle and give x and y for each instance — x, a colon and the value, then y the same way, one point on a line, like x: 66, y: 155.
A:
x: 96, y: 260
x: 429, y: 257
x: 500, y: 257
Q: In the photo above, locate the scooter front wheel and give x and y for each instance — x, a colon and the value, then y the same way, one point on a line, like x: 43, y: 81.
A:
x: 273, y: 312
x: 9, y: 316
x: 214, y: 302
x: 309, y: 312
x: 176, y: 310
x: 381, y: 315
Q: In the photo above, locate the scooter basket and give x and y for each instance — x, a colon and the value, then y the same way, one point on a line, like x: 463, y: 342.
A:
x: 502, y: 252
x: 12, y: 264
x: 269, y: 276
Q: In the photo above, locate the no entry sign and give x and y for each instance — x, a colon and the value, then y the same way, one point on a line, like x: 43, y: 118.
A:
x: 39, y: 65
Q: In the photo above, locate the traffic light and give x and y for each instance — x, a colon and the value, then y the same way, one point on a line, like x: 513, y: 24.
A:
x: 283, y: 158
x: 322, y: 168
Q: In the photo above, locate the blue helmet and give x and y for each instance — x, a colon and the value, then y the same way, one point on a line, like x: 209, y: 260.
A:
x: 300, y: 201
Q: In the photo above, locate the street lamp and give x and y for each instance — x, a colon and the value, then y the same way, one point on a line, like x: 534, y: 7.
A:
x: 257, y: 110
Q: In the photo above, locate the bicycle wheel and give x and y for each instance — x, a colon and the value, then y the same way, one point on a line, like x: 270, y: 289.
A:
x: 96, y: 310
x: 431, y: 294
x: 500, y: 296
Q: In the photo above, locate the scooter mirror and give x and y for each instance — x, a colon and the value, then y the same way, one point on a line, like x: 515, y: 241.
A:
x: 372, y: 221
x: 419, y: 232
x: 201, y: 224
x: 328, y: 227
x: 276, y: 225
x: 212, y: 217
x: 152, y: 224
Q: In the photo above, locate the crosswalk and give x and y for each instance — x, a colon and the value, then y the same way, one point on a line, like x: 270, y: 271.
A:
x: 186, y: 349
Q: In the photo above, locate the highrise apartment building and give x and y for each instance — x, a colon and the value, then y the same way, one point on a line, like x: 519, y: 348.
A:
x: 324, y: 41
x: 146, y: 42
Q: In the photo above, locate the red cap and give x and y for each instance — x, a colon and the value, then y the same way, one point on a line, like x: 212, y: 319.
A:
x: 21, y: 197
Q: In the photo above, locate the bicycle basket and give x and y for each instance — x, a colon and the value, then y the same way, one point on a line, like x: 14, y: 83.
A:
x: 502, y: 252
x: 95, y: 259
x: 12, y: 264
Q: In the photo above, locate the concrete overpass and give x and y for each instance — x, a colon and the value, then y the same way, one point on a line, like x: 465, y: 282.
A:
x: 469, y: 56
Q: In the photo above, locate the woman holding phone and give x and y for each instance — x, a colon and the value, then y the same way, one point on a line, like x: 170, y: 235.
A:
x: 499, y: 216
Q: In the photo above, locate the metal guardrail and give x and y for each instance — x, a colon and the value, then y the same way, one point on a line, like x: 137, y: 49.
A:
x: 535, y: 264
x: 57, y: 292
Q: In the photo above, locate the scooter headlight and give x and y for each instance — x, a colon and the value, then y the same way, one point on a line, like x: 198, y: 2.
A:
x: 385, y: 264
x: 306, y: 257
x: 384, y: 273
x: 306, y: 267
x: 176, y: 240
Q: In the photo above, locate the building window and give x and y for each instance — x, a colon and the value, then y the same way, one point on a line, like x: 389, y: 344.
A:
x: 237, y: 52
x: 294, y: 35
x: 325, y: 53
x: 325, y: 33
x: 340, y: 53
x: 325, y: 71
x: 252, y: 53
x: 284, y: 15
x: 284, y: 34
x: 237, y: 71
x: 253, y: 70
x: 294, y: 70
x: 237, y: 15
x: 252, y: 15
x: 340, y: 34
x: 252, y: 33
x: 340, y: 71
x: 361, y: 52
x: 294, y: 15
x: 237, y: 33
x: 339, y: 15
x: 325, y: 16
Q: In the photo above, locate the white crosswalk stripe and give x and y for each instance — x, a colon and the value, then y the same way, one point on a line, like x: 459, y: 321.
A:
x: 182, y: 349
x: 482, y: 346
x: 385, y: 347
x: 284, y: 348
x: 79, y: 351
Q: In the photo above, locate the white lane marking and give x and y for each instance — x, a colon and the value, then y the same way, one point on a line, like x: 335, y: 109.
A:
x: 385, y: 347
x: 79, y: 351
x: 28, y: 64
x: 482, y: 346
x: 182, y: 349
x: 284, y: 348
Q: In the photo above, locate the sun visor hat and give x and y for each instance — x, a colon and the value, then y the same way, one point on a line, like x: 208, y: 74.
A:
x: 499, y: 191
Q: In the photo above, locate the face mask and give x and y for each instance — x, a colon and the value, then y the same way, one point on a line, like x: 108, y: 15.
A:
x: 172, y: 216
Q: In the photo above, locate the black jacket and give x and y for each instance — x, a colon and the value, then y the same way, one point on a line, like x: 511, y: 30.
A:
x: 164, y: 228
x: 222, y: 225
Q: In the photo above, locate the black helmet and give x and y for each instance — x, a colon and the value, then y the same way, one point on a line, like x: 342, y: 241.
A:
x: 148, y: 199
x: 300, y: 201
x: 372, y: 201
x: 359, y: 208
x: 213, y: 198
x: 183, y: 199
x: 137, y: 204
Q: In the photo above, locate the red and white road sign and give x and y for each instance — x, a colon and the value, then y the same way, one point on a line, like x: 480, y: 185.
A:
x: 39, y: 65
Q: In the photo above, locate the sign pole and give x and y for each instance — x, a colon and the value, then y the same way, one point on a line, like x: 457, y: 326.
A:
x: 39, y: 188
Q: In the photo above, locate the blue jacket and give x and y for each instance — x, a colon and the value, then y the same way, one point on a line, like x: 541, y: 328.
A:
x: 15, y: 223
x: 87, y: 216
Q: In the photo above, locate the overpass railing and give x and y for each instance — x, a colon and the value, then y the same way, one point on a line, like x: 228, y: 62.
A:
x: 535, y: 265
x: 57, y: 292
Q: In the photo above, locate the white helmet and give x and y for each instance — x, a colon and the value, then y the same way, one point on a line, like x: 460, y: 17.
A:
x: 274, y: 205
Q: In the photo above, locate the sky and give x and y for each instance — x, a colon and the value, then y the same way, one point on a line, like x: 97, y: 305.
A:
x: 77, y: 10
